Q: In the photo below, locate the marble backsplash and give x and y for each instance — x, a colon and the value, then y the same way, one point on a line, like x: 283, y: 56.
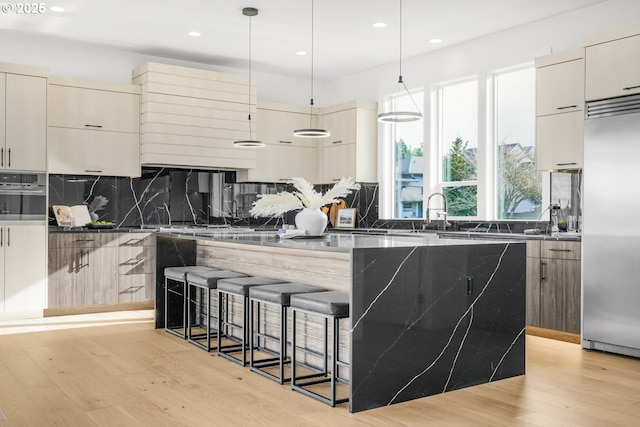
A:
x: 166, y: 196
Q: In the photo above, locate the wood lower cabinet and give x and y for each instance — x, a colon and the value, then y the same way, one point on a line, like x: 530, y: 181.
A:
x: 100, y: 268
x: 554, y: 285
x: 136, y: 267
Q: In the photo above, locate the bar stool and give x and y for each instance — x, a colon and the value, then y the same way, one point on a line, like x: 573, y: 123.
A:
x: 203, y: 282
x: 277, y: 295
x: 179, y: 276
x: 228, y: 319
x: 327, y: 305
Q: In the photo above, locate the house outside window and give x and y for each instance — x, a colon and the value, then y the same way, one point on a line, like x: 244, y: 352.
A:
x: 458, y: 143
x: 408, y: 161
x: 518, y: 184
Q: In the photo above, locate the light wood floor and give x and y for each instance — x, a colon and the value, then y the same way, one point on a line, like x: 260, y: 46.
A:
x: 114, y: 369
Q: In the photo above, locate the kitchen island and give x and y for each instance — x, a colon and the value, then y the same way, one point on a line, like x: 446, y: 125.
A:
x: 428, y: 315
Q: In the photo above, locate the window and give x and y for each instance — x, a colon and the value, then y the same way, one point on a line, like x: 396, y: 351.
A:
x: 480, y: 153
x: 458, y: 137
x: 519, y: 185
x: 408, y: 161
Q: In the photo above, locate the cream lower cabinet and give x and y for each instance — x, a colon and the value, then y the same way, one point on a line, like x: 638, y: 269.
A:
x: 23, y: 268
x: 554, y: 285
x: 23, y: 121
x: 93, y: 128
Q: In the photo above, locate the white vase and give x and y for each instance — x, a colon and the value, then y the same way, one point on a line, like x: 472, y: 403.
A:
x: 313, y: 221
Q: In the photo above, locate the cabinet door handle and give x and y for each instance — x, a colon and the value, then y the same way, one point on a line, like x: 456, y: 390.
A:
x: 566, y: 106
x: 542, y: 265
x: 285, y: 142
x: 8, y: 236
x: 93, y: 170
x: 93, y: 126
x: 566, y: 164
x: 1, y: 237
x: 1, y: 157
x: 631, y: 87
x: 337, y: 142
x: 84, y: 240
x: 9, y: 161
x: 469, y: 280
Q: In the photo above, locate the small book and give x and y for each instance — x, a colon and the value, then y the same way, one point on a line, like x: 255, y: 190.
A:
x: 72, y: 216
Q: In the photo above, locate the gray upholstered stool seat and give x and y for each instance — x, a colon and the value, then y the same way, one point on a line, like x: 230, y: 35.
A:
x: 330, y: 303
x: 260, y: 297
x: 175, y: 288
x: 326, y: 305
x: 230, y: 321
x: 199, y: 311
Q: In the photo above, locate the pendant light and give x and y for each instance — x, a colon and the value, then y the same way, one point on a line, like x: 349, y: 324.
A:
x: 250, y: 12
x: 395, y: 116
x: 311, y: 132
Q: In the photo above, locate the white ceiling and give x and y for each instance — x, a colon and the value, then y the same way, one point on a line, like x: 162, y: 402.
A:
x: 344, y: 41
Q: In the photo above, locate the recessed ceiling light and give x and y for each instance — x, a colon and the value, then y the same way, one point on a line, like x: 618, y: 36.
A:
x: 194, y: 33
x: 435, y: 41
x: 56, y: 9
x: 301, y: 53
x: 379, y: 24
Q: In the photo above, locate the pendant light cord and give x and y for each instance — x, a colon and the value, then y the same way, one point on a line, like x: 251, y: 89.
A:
x: 400, y: 48
x: 311, y: 101
x: 249, y: 103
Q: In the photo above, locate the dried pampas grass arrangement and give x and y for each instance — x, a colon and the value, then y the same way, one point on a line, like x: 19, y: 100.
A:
x: 305, y: 197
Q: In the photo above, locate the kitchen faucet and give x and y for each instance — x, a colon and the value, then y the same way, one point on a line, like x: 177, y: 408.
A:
x: 442, y: 212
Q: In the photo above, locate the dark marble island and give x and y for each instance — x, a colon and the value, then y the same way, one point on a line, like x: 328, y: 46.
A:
x: 428, y: 315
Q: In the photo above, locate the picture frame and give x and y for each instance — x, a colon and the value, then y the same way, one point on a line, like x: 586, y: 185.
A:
x: 346, y: 218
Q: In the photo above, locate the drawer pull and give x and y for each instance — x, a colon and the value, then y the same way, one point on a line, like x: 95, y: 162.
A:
x: 337, y: 142
x: 84, y: 240
x: 93, y: 170
x: 559, y: 250
x: 566, y: 164
x: 631, y: 87
x: 93, y: 126
x: 568, y: 106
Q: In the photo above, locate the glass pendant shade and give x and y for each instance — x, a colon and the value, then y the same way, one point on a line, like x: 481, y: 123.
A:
x: 250, y: 12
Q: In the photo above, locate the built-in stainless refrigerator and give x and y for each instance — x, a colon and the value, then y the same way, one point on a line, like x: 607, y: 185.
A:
x: 611, y: 227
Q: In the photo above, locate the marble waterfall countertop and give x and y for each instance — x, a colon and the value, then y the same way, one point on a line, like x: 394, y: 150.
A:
x: 335, y: 242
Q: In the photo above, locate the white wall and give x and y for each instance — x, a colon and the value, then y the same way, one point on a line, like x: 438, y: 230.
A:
x: 504, y: 49
x: 486, y: 54
x: 87, y: 61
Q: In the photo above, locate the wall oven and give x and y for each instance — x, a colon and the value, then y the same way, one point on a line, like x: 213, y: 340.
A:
x: 23, y: 196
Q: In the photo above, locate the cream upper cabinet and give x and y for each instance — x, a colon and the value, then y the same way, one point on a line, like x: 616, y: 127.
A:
x: 351, y: 150
x: 88, y: 108
x: 613, y: 68
x: 560, y: 86
x: 284, y: 155
x: 559, y: 111
x: 23, y: 122
x: 93, y: 128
